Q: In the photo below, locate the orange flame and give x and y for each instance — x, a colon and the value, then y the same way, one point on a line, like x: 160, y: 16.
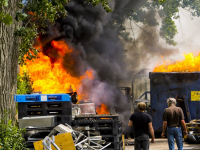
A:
x: 49, y: 78
x: 191, y: 63
x: 103, y: 109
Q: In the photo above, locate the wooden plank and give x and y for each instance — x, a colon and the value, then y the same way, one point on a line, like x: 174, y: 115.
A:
x: 63, y: 141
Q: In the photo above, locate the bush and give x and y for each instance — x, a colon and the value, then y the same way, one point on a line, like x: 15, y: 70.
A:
x: 11, y: 135
x: 24, y: 84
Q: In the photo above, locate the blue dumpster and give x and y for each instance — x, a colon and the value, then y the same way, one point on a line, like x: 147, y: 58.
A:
x: 184, y: 86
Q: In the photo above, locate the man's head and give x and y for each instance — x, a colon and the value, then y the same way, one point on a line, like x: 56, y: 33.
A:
x: 171, y: 101
x: 141, y: 106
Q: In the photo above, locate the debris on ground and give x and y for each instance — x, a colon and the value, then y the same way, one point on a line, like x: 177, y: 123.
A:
x: 63, y: 136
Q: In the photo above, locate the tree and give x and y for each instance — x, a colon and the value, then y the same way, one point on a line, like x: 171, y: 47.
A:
x: 146, y: 12
x: 20, y: 25
x: 9, y: 50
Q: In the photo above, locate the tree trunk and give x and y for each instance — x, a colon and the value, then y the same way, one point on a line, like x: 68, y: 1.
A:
x: 9, y: 48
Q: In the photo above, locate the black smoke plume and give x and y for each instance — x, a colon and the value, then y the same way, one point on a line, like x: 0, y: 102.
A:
x: 96, y: 44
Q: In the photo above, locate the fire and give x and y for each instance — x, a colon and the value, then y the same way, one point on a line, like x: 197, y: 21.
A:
x: 191, y: 63
x: 103, y: 109
x: 51, y: 77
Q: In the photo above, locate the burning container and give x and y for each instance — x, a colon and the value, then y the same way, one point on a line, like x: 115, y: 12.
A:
x: 183, y: 86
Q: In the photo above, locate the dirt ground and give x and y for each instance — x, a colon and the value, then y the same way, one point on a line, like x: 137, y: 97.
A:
x: 161, y: 144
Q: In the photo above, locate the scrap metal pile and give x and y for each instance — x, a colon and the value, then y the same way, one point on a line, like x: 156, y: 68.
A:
x: 108, y: 126
x: 81, y: 142
x: 48, y: 118
x: 88, y: 132
x: 193, y: 129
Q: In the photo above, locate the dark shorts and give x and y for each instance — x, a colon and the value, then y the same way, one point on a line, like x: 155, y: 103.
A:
x: 142, y: 142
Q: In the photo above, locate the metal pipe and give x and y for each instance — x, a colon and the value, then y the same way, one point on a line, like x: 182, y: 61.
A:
x: 81, y: 142
x: 105, y: 146
x: 96, y: 144
x: 89, y: 146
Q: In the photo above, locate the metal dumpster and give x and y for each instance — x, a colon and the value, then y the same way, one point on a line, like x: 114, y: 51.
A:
x: 184, y: 86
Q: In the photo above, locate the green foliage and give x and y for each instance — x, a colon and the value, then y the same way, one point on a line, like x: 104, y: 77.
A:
x: 168, y: 30
x: 145, y: 12
x: 4, y: 3
x: 104, y: 3
x: 5, y: 18
x: 20, y: 16
x: 24, y: 84
x: 36, y: 16
x: 160, y: 1
x: 169, y: 11
x: 20, y: 5
x: 45, y: 11
x: 193, y: 6
x: 11, y: 135
x: 26, y: 49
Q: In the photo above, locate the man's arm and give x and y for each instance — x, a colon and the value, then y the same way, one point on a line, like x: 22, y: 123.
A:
x: 184, y: 126
x: 164, y: 128
x: 151, y: 130
x: 130, y: 123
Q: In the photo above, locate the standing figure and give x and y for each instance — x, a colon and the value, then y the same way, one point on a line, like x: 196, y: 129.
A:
x: 142, y: 123
x: 173, y: 118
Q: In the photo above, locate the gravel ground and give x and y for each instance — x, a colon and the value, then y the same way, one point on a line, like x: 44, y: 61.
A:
x: 161, y: 144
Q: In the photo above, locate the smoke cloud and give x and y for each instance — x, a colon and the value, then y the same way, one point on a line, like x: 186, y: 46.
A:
x: 148, y: 48
x: 96, y: 44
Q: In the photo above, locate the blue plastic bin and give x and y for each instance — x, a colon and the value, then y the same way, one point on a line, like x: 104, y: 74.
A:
x: 42, y: 98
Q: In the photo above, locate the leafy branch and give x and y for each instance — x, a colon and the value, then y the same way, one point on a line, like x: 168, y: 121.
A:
x: 104, y: 4
x: 167, y: 10
x: 11, y: 135
x: 5, y: 18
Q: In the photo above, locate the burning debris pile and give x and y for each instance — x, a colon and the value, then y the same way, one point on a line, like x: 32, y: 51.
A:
x: 80, y: 53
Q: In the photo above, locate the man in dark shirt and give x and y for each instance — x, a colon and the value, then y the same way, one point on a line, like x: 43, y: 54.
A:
x: 173, y: 118
x: 142, y: 124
